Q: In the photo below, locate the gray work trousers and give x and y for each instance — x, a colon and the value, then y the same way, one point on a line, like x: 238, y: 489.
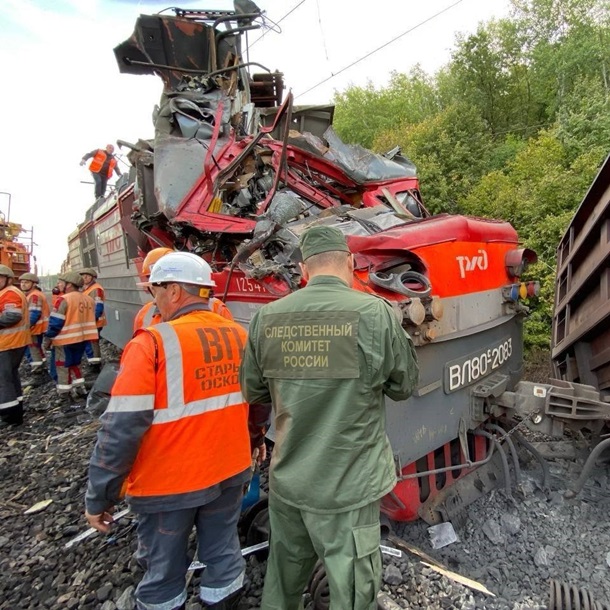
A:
x: 11, y: 397
x: 100, y: 180
x: 163, y: 544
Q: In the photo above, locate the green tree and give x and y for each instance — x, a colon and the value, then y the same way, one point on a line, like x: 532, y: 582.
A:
x: 583, y: 121
x: 538, y: 194
x: 363, y: 112
x: 450, y: 150
x: 565, y: 40
x: 489, y: 71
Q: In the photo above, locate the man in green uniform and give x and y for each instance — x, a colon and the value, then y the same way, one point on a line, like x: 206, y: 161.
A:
x: 325, y: 357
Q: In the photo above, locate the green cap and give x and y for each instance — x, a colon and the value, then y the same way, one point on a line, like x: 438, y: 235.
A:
x: 88, y: 271
x: 6, y: 271
x: 322, y: 239
x: 71, y: 277
x: 30, y: 277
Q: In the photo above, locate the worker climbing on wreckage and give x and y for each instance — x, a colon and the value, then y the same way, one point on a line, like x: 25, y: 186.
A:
x: 176, y: 437
x: 103, y: 164
x: 71, y: 326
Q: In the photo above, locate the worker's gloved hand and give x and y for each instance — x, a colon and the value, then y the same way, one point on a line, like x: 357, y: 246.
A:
x: 46, y: 344
x: 82, y: 162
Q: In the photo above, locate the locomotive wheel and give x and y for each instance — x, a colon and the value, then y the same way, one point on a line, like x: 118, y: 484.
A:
x: 564, y: 597
x: 254, y: 525
x: 318, y: 587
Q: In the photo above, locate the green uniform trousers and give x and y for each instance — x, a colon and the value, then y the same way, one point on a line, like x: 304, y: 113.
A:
x: 347, y: 543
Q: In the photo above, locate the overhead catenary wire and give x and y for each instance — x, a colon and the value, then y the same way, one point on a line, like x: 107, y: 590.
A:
x: 294, y: 8
x: 357, y: 61
x: 322, y: 29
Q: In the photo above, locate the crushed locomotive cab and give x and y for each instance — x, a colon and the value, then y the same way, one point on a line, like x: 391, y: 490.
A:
x: 236, y: 172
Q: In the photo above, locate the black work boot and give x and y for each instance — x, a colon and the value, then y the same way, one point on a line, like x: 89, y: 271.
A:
x: 64, y: 400
x: 80, y: 391
x: 66, y: 404
x: 232, y: 602
x: 39, y: 377
x: 8, y: 422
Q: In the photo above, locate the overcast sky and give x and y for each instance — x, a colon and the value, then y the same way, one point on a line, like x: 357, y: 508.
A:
x: 63, y: 95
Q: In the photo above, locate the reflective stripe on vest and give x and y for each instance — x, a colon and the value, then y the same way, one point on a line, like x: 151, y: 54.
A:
x: 199, y: 434
x: 19, y: 334
x: 147, y: 316
x: 98, y: 161
x: 80, y: 320
x: 151, y: 316
x: 43, y: 322
x: 99, y: 298
x: 218, y: 307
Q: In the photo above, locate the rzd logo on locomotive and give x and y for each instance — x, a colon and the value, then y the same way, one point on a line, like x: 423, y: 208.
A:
x: 471, y: 263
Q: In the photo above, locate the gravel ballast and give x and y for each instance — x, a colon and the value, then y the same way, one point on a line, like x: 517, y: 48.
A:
x: 512, y: 548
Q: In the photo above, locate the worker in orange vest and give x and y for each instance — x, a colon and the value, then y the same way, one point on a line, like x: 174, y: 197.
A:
x: 71, y: 325
x: 93, y: 289
x: 175, y: 437
x: 39, y: 318
x: 55, y: 294
x: 14, y: 337
x: 101, y: 167
x: 149, y: 313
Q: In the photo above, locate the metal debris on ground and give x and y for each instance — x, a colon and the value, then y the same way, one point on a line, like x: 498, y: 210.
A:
x: 442, y: 535
x: 89, y: 532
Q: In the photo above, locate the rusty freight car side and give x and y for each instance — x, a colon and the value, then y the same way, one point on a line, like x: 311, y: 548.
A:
x: 581, y: 323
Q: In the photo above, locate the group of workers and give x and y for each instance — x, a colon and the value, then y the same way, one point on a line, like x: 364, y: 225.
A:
x: 188, y: 414
x: 29, y: 325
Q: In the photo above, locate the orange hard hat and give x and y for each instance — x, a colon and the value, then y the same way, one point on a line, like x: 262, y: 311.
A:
x: 152, y: 257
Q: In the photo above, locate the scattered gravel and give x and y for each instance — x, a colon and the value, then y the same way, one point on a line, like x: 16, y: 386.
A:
x: 512, y: 549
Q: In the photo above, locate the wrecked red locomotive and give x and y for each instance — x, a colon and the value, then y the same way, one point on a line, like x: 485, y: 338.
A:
x: 236, y: 172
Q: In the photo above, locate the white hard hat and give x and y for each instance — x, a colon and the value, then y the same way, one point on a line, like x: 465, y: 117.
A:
x: 183, y: 268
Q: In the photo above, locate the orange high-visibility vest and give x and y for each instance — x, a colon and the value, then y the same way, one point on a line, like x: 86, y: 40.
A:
x: 97, y: 297
x: 79, y: 320
x: 147, y: 316
x: 98, y: 161
x: 38, y: 301
x: 186, y: 371
x: 218, y: 307
x: 18, y: 335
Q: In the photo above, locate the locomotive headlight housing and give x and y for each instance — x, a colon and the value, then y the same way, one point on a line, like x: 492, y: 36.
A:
x: 517, y: 261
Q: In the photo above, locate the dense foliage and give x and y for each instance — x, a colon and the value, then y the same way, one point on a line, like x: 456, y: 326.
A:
x: 514, y: 127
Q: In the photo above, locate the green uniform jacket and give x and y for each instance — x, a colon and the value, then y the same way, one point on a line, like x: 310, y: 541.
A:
x: 325, y: 356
